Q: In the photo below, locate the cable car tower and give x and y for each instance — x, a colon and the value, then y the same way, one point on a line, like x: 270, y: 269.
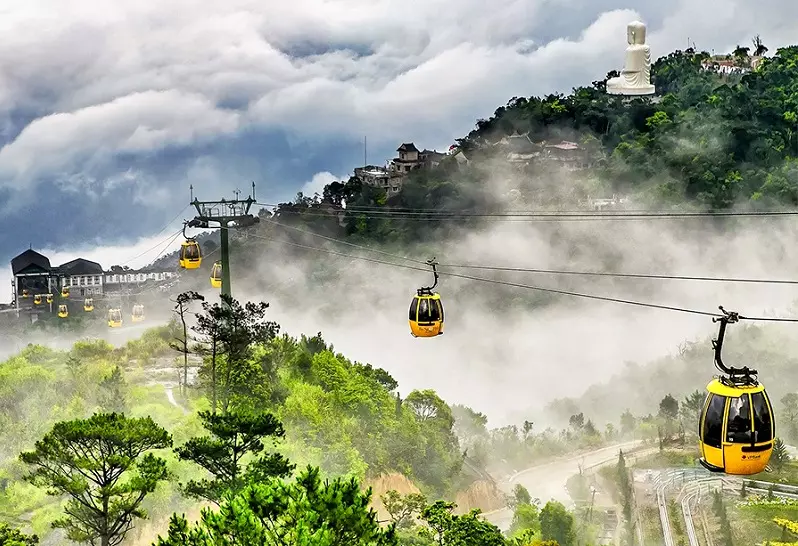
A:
x: 228, y: 214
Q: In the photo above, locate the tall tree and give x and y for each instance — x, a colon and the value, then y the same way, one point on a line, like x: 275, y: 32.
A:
x: 182, y: 305
x: 759, y: 47
x: 690, y: 409
x: 230, y: 330
x: 577, y: 421
x: 104, y: 466
x: 112, y: 395
x: 233, y: 436
x: 669, y: 408
x: 520, y: 496
x: 429, y: 407
x: 403, y: 508
x: 306, y: 512
x: 556, y: 523
x: 779, y: 457
x: 628, y: 423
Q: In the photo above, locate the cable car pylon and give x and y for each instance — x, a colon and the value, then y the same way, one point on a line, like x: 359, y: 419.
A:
x: 224, y: 212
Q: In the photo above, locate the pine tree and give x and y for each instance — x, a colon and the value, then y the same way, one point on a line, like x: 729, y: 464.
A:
x: 112, y: 395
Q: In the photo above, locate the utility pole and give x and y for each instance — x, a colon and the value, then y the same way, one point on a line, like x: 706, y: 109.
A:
x: 225, y: 212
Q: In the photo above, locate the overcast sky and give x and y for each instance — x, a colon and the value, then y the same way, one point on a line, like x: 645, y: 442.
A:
x: 109, y: 110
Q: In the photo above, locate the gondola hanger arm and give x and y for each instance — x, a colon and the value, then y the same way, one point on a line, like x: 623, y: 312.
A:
x: 729, y: 317
x: 434, y: 264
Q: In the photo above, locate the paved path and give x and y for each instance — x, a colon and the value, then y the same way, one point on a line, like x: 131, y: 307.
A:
x: 547, y: 481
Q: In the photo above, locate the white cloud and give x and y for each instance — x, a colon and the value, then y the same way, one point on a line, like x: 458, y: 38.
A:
x: 316, y: 184
x: 138, y: 76
x: 139, y: 122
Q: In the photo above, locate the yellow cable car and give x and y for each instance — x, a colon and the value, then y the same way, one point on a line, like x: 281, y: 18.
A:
x: 737, y: 427
x: 426, y: 310
x: 49, y: 298
x: 137, y: 313
x: 114, y: 318
x: 37, y: 299
x: 190, y: 255
x: 216, y: 275
x: 88, y: 305
x: 63, y: 311
x: 65, y: 292
x: 25, y: 293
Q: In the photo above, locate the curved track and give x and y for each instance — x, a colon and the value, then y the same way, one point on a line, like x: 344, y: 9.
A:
x: 664, y: 517
x: 689, y: 526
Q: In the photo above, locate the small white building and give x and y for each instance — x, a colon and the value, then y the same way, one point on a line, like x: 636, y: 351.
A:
x: 119, y: 279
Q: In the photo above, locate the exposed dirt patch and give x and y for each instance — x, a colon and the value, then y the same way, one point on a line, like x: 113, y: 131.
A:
x: 481, y: 494
x: 384, y: 483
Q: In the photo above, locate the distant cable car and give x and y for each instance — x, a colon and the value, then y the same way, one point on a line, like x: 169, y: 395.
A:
x: 216, y: 275
x: 426, y: 309
x: 63, y: 311
x: 190, y: 254
x: 65, y: 292
x: 49, y: 298
x: 88, y: 305
x: 737, y: 427
x: 37, y: 299
x: 114, y: 318
x: 137, y: 313
x: 25, y: 293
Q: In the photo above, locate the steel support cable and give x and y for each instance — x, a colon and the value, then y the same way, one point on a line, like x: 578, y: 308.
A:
x: 556, y: 214
x: 156, y: 245
x: 520, y: 285
x: 159, y: 232
x: 520, y: 218
x: 623, y: 275
x: 535, y: 270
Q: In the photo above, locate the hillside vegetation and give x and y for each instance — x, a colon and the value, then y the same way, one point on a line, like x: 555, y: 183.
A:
x: 305, y: 405
x: 707, y: 140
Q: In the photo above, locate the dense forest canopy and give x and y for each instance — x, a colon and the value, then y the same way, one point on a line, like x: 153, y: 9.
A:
x: 708, y: 138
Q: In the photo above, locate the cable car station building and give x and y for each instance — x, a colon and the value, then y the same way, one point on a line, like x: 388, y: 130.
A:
x: 78, y: 278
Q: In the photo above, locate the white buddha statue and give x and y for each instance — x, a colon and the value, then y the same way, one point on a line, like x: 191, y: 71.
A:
x: 635, y: 78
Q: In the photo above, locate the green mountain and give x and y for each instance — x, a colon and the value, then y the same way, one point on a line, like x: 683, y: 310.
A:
x: 708, y: 139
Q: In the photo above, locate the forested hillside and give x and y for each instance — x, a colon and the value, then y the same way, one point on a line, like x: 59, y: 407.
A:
x: 707, y: 140
x: 266, y: 403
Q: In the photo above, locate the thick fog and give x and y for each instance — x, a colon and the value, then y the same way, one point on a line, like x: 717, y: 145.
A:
x: 504, y: 353
x: 509, y: 359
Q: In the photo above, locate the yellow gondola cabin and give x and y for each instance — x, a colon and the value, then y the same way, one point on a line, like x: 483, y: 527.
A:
x: 37, y: 299
x: 63, y: 311
x: 737, y: 428
x: 65, y: 292
x: 49, y: 298
x: 190, y: 254
x: 216, y: 275
x: 137, y: 314
x: 88, y: 305
x: 114, y: 318
x: 426, y: 310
